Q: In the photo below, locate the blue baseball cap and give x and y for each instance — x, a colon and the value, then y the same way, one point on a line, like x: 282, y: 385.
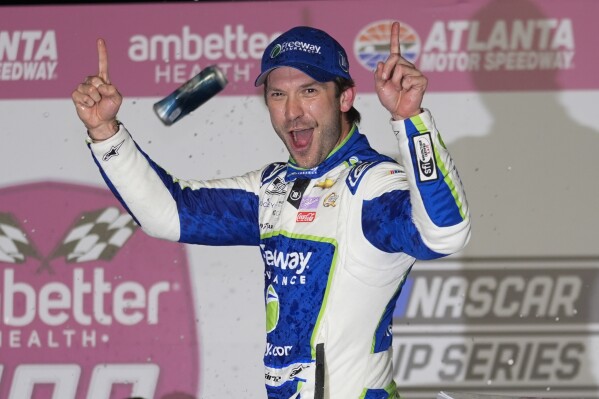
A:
x: 310, y: 50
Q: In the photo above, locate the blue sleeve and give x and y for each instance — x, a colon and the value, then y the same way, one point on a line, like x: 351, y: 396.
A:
x: 220, y: 212
x: 211, y: 212
x: 387, y: 224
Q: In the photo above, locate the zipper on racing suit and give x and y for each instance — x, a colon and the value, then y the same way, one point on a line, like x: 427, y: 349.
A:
x: 320, y: 372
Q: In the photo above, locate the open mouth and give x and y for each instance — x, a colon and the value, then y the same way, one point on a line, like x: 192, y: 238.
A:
x: 301, y: 138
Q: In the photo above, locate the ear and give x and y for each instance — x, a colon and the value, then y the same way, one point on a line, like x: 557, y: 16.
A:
x: 346, y: 99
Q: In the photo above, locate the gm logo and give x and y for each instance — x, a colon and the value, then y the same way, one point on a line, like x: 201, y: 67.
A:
x: 372, y: 43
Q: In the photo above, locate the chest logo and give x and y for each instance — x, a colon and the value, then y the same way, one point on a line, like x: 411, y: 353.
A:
x: 327, y: 183
x: 305, y: 217
x: 297, y: 191
x: 277, y: 187
x: 309, y: 202
x: 330, y: 200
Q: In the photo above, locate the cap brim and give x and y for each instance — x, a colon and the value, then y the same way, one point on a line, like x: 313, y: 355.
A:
x: 315, y: 73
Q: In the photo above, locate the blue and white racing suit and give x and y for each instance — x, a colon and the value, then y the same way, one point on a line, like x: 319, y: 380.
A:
x: 337, y: 242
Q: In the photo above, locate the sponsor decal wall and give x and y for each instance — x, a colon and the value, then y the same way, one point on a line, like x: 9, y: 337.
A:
x: 515, y: 50
x: 93, y: 308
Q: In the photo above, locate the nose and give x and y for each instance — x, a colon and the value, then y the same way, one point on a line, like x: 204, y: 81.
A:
x: 293, y: 108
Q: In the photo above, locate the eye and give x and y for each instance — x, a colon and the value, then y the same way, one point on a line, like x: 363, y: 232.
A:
x: 275, y: 94
x: 310, y: 91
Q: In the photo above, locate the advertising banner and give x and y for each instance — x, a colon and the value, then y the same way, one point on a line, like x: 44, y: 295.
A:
x: 155, y: 47
x: 90, y: 305
x: 516, y: 327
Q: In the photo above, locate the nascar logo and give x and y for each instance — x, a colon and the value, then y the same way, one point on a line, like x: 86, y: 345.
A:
x: 372, y: 43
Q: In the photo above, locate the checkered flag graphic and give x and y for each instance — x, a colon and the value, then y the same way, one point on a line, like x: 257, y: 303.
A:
x: 14, y: 245
x: 96, y: 235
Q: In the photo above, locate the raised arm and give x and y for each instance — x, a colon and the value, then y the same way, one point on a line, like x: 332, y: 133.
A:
x: 423, y: 210
x: 399, y: 85
x: 218, y: 212
x: 97, y: 100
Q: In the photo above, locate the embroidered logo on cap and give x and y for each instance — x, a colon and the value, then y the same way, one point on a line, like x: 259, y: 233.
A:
x: 294, y: 46
x: 343, y: 64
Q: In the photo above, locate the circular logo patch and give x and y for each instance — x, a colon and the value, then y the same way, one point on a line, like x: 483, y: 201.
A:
x: 372, y: 43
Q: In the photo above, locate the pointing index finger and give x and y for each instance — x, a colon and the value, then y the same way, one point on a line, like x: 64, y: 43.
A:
x: 394, y: 44
x: 103, y: 61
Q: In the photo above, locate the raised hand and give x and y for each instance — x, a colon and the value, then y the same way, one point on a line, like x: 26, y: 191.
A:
x: 399, y: 85
x: 98, y: 101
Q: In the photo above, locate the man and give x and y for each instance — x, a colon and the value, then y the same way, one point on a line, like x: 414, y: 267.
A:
x: 339, y: 225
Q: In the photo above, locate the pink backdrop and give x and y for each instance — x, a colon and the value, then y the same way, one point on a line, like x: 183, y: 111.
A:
x: 514, y: 89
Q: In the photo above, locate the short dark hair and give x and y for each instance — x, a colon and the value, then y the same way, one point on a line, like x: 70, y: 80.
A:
x: 341, y: 84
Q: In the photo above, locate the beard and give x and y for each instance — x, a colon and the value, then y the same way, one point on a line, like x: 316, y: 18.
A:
x: 325, y: 136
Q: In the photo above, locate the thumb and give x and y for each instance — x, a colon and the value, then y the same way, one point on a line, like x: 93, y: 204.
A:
x: 107, y: 90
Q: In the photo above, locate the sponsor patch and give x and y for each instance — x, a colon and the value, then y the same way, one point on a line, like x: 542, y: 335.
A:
x: 330, y: 200
x: 324, y: 184
x: 425, y: 157
x: 272, y: 309
x: 305, y: 217
x: 113, y: 152
x: 309, y: 202
x: 277, y: 187
x: 297, y: 192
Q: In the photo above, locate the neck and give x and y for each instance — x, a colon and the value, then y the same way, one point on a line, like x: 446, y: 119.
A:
x: 345, y: 128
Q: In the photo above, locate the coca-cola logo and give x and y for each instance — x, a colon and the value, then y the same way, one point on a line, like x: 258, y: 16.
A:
x: 90, y: 306
x: 305, y: 217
